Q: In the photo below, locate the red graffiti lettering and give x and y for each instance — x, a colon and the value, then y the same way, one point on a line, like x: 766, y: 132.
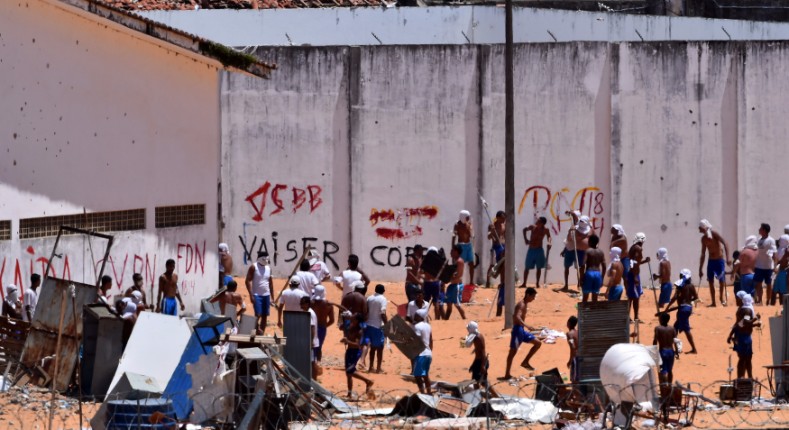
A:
x: 588, y: 201
x: 259, y: 197
x: 259, y: 208
x: 276, y: 200
x: 299, y: 198
x: 315, y: 199
x: 407, y: 221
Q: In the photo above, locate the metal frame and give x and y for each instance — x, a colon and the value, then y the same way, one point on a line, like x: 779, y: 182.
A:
x: 63, y: 228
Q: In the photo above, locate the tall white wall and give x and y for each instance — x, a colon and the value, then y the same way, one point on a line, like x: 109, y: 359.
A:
x: 654, y: 136
x: 98, y: 118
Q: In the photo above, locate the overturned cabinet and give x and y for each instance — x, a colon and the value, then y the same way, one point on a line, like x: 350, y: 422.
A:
x: 103, y: 342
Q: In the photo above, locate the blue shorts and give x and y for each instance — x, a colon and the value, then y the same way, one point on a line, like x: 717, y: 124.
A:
x: 477, y: 367
x: 716, y: 269
x: 321, y: 335
x: 744, y: 345
x: 763, y: 275
x: 625, y: 265
x: 615, y: 293
x: 466, y: 252
x: 633, y: 286
x: 593, y: 280
x: 535, y: 258
x: 262, y: 305
x: 352, y: 356
x: 569, y: 258
x: 667, y: 355
x: 422, y: 365
x: 226, y: 279
x: 683, y: 318
x: 780, y: 283
x: 410, y: 291
x: 518, y: 336
x: 500, y: 299
x: 498, y: 251
x: 746, y: 283
x: 665, y: 293
x: 375, y: 336
x: 431, y: 290
x: 575, y: 370
x: 737, y: 286
x: 170, y: 306
x: 454, y: 292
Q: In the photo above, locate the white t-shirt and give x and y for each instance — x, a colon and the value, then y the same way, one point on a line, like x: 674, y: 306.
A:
x: 348, y: 278
x: 412, y: 308
x: 30, y: 299
x: 291, y: 299
x: 320, y: 270
x: 314, y: 323
x: 376, y: 305
x: 424, y: 331
x: 308, y: 282
x: 260, y: 281
x: 764, y: 260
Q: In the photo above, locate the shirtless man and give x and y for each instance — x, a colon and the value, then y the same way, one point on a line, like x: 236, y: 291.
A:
x: 137, y: 286
x: 781, y: 267
x: 413, y: 275
x: 225, y: 265
x: 575, y: 245
x: 615, y: 271
x: 748, y: 264
x: 667, y: 348
x: 323, y: 311
x: 455, y: 288
x: 740, y: 334
x: 716, y: 264
x: 593, y: 275
x: 572, y: 341
x: 684, y: 297
x: 619, y: 240
x: 168, y: 289
x: 664, y: 277
x: 232, y: 298
x: 520, y: 335
x: 633, y: 278
x: 496, y: 235
x: 479, y: 367
x: 462, y: 234
x: 535, y: 256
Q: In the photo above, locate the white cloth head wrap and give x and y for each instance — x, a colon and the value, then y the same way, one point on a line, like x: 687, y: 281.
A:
x: 786, y: 229
x: 783, y: 244
x: 615, y: 253
x: 295, y: 280
x: 129, y: 307
x: 224, y: 248
x: 432, y: 248
x: 747, y: 301
x: 619, y: 229
x: 741, y: 294
x: 684, y: 277
x: 751, y: 242
x: 473, y: 331
x: 662, y: 254
x: 136, y: 297
x: 319, y: 292
x: 463, y: 215
x: 640, y: 237
x: 12, y: 294
x: 583, y: 225
x: 707, y: 226
x: 422, y: 313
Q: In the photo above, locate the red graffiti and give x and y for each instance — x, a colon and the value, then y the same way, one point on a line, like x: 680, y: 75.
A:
x: 259, y: 197
x: 407, y: 221
x: 193, y: 258
x: 553, y: 205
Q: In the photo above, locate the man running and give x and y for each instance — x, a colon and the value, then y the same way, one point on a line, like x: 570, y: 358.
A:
x: 764, y: 263
x: 716, y: 265
x: 168, y: 290
x: 536, y: 256
x: 519, y: 334
x: 462, y: 234
x: 593, y: 275
x: 684, y: 297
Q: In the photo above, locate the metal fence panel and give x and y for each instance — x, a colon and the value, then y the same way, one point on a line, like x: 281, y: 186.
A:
x: 600, y: 326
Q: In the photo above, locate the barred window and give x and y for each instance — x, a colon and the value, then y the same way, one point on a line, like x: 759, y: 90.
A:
x: 5, y: 230
x: 133, y: 219
x: 176, y: 216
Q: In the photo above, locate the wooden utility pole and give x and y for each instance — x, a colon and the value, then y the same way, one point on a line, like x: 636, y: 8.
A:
x: 509, y: 171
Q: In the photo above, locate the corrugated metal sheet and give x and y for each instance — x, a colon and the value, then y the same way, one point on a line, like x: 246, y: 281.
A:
x: 600, y: 326
x: 298, y: 349
x: 41, y: 343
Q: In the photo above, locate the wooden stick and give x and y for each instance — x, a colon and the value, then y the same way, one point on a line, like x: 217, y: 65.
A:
x: 654, y: 293
x: 307, y: 249
x: 57, y: 355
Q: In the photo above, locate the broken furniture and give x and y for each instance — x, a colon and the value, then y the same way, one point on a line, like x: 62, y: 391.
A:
x: 13, y: 334
x: 250, y: 363
x: 153, y: 414
x: 102, y: 348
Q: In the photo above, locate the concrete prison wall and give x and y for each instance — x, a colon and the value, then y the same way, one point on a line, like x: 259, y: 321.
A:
x: 371, y: 150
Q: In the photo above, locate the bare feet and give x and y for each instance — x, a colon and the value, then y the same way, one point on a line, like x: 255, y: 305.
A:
x: 369, y: 385
x: 692, y: 351
x: 527, y: 366
x: 504, y: 378
x: 712, y: 305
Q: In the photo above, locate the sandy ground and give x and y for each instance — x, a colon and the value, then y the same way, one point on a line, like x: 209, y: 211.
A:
x: 710, y: 327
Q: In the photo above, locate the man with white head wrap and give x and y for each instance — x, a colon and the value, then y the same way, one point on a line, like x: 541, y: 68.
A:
x: 718, y: 259
x: 575, y: 246
x: 684, y: 297
x: 325, y: 316
x: 225, y: 265
x: 765, y: 262
x: 12, y: 307
x: 615, y: 271
x: 258, y: 283
x: 619, y: 240
x: 318, y: 267
x: 633, y: 287
x: 479, y: 367
x: 422, y: 362
x: 747, y: 264
x: 290, y: 299
x: 137, y: 285
x: 462, y: 235
x: 740, y: 334
x: 664, y: 276
x: 782, y: 265
x: 129, y: 310
x: 519, y: 335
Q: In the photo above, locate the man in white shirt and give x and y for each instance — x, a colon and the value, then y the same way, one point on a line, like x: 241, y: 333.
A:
x: 304, y: 304
x: 763, y: 273
x: 425, y: 358
x: 258, y: 282
x: 376, y: 318
x: 308, y: 281
x: 415, y: 305
x: 31, y: 298
x: 290, y: 300
x: 318, y: 267
x: 351, y: 275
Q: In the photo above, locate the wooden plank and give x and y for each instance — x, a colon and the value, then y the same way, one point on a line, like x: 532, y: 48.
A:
x: 403, y: 337
x: 261, y: 340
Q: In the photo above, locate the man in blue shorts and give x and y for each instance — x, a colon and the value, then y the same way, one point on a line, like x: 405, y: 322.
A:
x: 535, y: 256
x: 462, y: 234
x: 425, y: 358
x: 496, y: 235
x: 574, y: 247
x: 741, y: 332
x: 615, y: 270
x: 593, y: 275
x: 519, y: 334
x: 716, y: 265
x: 376, y: 318
x: 684, y: 297
x: 664, y: 277
x: 455, y: 288
x: 763, y: 274
x: 633, y: 279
